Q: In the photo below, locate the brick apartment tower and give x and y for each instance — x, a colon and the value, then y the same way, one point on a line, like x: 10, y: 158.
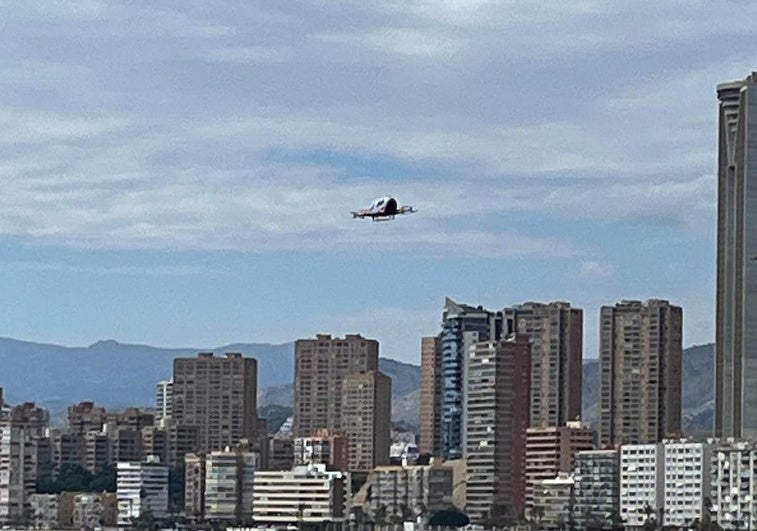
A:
x: 556, y: 334
x: 431, y: 396
x: 366, y: 419
x: 218, y: 395
x: 497, y: 417
x: 640, y: 372
x: 322, y: 366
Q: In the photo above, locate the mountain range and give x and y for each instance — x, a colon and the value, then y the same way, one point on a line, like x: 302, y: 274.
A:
x: 116, y: 375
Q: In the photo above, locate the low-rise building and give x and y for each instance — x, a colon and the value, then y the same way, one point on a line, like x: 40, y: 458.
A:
x: 44, y: 511
x: 554, y: 503
x: 407, y: 492
x: 229, y: 484
x: 687, y: 482
x: 141, y: 486
x: 733, y: 484
x: 596, y: 476
x: 550, y: 451
x: 641, y: 485
x: 92, y: 511
x: 280, y: 453
x: 324, y: 447
x: 304, y: 495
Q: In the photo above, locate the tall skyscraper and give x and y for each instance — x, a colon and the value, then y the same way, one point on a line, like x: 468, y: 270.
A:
x: 219, y: 396
x: 431, y: 396
x: 640, y: 372
x: 338, y: 387
x: 736, y: 317
x: 497, y: 417
x: 320, y: 366
x: 163, y: 401
x: 556, y: 334
x: 366, y: 419
x: 460, y: 321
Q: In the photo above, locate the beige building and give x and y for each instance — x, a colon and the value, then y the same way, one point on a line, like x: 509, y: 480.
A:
x: 366, y: 419
x: 92, y: 511
x: 556, y: 334
x: 304, y: 495
x: 640, y: 372
x: 551, y: 451
x: 338, y: 387
x: 85, y: 417
x: 44, y: 511
x: 431, y: 395
x: 497, y: 416
x: 219, y: 396
x: 320, y: 367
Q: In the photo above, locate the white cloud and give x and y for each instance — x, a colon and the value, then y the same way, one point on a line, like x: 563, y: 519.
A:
x: 250, y: 55
x: 594, y: 270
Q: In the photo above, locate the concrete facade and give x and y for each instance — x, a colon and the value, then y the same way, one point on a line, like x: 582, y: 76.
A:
x: 640, y: 372
x: 736, y: 316
x: 366, y: 419
x: 141, y: 486
x: 431, y: 396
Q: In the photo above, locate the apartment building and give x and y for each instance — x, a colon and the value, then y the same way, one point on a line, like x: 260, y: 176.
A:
x: 640, y: 372
x: 304, y: 495
x: 229, y: 484
x: 641, y: 483
x: 551, y: 451
x: 460, y: 323
x: 597, y: 494
x: 218, y: 395
x: 553, y: 501
x: 98, y: 452
x: 325, y: 447
x: 497, y: 416
x: 321, y: 364
x: 733, y: 482
x: 141, y: 486
x: 407, y: 492
x: 366, y: 419
x: 93, y: 510
x: 687, y: 482
x: 163, y: 401
x: 556, y: 334
x: 194, y: 486
x: 85, y: 417
x: 44, y: 511
x: 18, y: 469
x: 431, y: 396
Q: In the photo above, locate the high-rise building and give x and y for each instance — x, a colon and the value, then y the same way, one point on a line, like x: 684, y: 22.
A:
x: 18, y: 468
x: 85, y: 417
x: 551, y: 451
x: 687, y: 482
x: 163, y: 400
x: 219, y: 396
x: 736, y: 316
x: 459, y: 321
x: 321, y: 365
x: 640, y: 372
x: 431, y: 396
x: 366, y: 419
x: 641, y: 483
x: 556, y: 334
x: 497, y: 416
x: 141, y: 486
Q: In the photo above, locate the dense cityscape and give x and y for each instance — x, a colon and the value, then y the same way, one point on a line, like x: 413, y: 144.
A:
x: 501, y: 442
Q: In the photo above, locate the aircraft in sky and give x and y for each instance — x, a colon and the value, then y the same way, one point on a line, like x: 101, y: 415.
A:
x: 383, y: 209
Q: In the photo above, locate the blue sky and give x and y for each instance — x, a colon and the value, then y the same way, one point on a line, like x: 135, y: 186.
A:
x: 180, y: 173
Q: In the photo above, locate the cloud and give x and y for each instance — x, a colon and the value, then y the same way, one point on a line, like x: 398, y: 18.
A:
x: 594, y: 270
x: 250, y: 55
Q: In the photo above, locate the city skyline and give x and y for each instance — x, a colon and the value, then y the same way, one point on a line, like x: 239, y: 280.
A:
x: 205, y: 159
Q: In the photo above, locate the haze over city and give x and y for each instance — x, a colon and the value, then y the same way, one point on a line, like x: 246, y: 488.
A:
x: 182, y: 174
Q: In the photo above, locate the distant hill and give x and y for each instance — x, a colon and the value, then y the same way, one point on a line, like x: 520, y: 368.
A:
x: 116, y: 375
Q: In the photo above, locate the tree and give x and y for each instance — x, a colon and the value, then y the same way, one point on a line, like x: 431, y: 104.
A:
x: 650, y: 521
x: 105, y: 480
x: 500, y: 516
x: 449, y: 518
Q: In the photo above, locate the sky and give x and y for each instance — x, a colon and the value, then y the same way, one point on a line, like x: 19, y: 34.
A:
x: 180, y: 173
